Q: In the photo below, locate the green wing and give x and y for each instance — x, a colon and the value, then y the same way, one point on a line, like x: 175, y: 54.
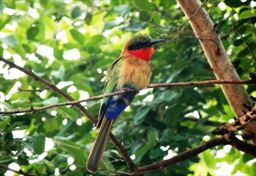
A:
x: 110, y: 85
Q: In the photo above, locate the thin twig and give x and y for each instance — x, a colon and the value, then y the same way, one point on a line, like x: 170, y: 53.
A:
x: 157, y: 85
x: 246, y: 43
x: 75, y: 102
x: 202, y: 83
x: 235, y: 28
x: 32, y: 90
x: 119, y: 146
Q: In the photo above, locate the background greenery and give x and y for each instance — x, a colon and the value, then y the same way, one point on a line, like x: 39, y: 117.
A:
x: 71, y: 43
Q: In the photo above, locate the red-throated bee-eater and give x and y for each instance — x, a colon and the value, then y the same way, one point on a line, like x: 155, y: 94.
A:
x: 129, y: 71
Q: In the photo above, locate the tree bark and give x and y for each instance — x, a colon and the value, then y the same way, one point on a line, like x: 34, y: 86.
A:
x: 212, y: 46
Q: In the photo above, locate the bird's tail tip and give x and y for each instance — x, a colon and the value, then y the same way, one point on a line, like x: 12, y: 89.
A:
x: 96, y: 153
x: 91, y: 168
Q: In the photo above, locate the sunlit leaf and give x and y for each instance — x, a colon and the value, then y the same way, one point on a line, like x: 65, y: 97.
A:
x: 38, y: 143
x: 144, y: 5
x: 10, y: 40
x: 76, y: 12
x: 77, y: 36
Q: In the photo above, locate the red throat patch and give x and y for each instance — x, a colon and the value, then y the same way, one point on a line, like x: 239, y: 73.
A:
x: 143, y: 53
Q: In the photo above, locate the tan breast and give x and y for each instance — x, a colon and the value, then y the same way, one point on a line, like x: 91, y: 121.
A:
x: 134, y: 71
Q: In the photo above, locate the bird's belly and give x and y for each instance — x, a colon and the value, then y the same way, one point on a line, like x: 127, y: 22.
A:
x: 134, y: 72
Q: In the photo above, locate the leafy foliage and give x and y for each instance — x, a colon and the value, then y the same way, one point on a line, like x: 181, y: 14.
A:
x: 71, y: 44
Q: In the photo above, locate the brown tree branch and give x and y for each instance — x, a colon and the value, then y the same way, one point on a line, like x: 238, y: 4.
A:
x: 228, y: 131
x: 238, y: 124
x: 241, y: 145
x: 180, y: 157
x: 244, y: 122
x: 119, y: 146
x: 202, y: 83
x: 20, y: 172
x: 157, y: 85
x: 75, y: 102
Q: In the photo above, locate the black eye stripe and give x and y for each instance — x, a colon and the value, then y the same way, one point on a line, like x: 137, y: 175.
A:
x: 139, y: 45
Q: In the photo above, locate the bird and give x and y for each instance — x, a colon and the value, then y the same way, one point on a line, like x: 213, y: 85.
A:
x: 131, y: 70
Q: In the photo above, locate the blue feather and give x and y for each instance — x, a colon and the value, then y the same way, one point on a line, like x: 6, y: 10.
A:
x: 116, y: 104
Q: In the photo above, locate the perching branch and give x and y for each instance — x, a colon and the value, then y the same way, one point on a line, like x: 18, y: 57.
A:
x: 119, y: 146
x: 20, y: 172
x: 157, y: 85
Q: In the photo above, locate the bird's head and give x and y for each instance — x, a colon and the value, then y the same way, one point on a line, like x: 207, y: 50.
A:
x: 141, y: 46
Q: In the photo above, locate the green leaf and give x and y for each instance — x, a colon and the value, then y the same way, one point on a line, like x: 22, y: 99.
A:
x: 10, y: 41
x: 152, y: 135
x: 167, y: 96
x: 208, y: 159
x: 68, y: 113
x: 103, y: 63
x: 238, y: 41
x: 76, y: 12
x: 44, y: 3
x: 134, y: 27
x: 251, y: 13
x: 246, y: 157
x: 74, y: 173
x: 51, y: 126
x: 1, y: 5
x: 32, y: 32
x: 145, y: 16
x: 243, y: 53
x: 122, y: 9
x: 50, y: 101
x: 60, y: 73
x: 142, y: 112
x: 152, y: 141
x: 77, y: 151
x: 39, y: 68
x: 156, y: 17
x: 143, y: 5
x: 1, y: 51
x: 111, y: 24
x: 77, y: 36
x: 233, y: 3
x: 38, y: 142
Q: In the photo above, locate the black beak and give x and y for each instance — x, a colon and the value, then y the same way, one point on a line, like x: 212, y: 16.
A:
x: 155, y: 41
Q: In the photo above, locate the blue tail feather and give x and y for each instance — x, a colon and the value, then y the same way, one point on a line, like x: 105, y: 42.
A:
x: 116, y: 104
